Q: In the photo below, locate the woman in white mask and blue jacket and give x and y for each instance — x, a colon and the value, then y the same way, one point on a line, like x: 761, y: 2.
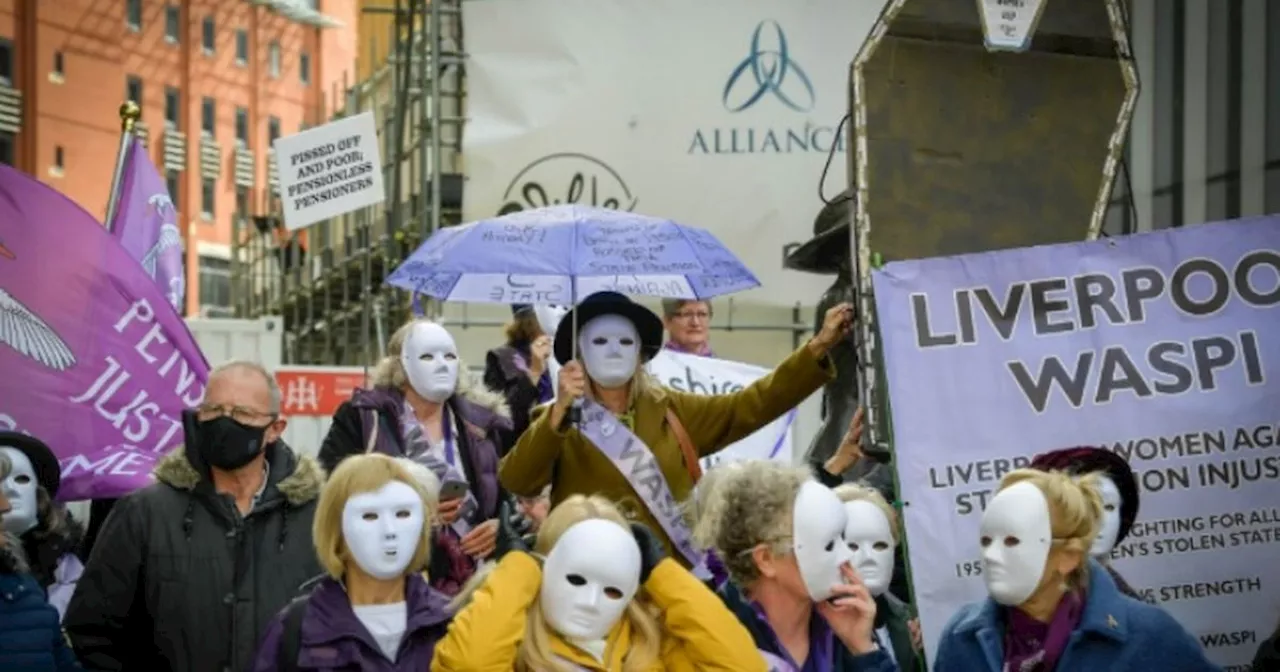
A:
x: 781, y: 536
x: 1051, y: 608
x: 425, y: 406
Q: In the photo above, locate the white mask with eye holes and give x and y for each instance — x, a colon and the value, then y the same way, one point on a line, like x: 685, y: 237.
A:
x: 589, y: 578
x: 430, y: 359
x: 382, y: 529
x: 549, y: 317
x: 1109, y: 528
x: 817, y: 524
x: 20, y: 488
x: 869, y: 535
x: 610, y: 350
x: 1016, y: 537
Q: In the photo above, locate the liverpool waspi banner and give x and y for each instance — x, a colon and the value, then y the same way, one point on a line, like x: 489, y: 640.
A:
x: 1163, y: 347
x: 716, y: 113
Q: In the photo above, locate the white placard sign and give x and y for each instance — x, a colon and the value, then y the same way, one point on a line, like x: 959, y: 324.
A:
x: 726, y: 126
x: 708, y: 375
x: 329, y: 170
x: 1009, y: 25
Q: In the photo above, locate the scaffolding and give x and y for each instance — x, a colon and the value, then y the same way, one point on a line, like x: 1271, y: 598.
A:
x: 327, y: 283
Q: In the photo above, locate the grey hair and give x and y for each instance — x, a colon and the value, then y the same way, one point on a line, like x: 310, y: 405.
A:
x: 239, y: 365
x: 672, y: 306
x: 5, y: 466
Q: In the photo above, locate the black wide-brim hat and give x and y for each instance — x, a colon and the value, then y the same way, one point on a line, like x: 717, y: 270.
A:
x: 647, y: 324
x: 45, y: 463
x: 1085, y: 460
x: 824, y: 253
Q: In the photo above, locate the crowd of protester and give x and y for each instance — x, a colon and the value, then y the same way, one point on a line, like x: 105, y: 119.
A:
x: 552, y: 516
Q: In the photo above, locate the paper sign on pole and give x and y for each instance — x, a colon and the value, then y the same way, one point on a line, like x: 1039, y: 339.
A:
x: 329, y: 170
x: 708, y: 375
x: 1009, y: 25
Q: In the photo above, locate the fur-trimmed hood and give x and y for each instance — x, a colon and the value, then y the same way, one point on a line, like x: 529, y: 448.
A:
x: 297, y: 477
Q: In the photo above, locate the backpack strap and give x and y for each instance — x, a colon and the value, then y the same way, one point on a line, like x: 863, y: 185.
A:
x: 686, y: 446
x: 291, y: 637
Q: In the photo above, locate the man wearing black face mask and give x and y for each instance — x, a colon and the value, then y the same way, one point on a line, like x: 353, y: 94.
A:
x: 189, y: 571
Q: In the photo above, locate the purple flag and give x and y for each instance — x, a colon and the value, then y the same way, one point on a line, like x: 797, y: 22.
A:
x: 95, y: 361
x: 146, y: 224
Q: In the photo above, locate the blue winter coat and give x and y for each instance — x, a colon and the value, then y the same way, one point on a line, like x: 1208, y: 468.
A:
x: 31, y: 638
x: 1117, y: 633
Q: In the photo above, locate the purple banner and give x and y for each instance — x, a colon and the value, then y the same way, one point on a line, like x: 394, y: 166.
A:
x: 96, y: 362
x: 146, y: 224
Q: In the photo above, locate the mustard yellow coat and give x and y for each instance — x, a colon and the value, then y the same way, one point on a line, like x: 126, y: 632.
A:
x: 700, y: 633
x: 573, y: 466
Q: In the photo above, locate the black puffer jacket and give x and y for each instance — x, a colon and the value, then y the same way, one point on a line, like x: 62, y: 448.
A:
x: 180, y: 581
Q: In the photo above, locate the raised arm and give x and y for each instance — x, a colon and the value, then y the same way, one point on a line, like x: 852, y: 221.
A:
x: 697, y: 621
x: 486, y: 634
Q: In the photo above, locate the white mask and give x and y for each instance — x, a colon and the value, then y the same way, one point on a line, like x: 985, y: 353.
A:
x: 549, y: 317
x: 817, y: 524
x: 1109, y: 528
x: 610, y: 350
x: 1016, y: 538
x: 382, y: 529
x: 430, y: 359
x: 20, y: 489
x: 589, y: 578
x: 870, y: 537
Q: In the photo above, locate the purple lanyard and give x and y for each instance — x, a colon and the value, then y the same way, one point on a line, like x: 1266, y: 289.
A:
x: 446, y: 426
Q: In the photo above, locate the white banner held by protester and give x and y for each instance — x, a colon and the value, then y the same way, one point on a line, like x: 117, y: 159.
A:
x: 1156, y: 346
x: 329, y: 170
x: 708, y: 375
x: 725, y: 125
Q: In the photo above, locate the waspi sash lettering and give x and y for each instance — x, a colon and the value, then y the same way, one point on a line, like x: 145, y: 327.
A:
x: 636, y: 462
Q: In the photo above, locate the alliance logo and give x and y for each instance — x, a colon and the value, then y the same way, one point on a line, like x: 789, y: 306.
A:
x: 768, y: 70
x: 567, y: 178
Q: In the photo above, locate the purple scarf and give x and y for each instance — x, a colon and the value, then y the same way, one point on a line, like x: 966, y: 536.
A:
x: 1032, y: 646
x: 719, y: 574
x: 545, y: 390
x: 704, y: 351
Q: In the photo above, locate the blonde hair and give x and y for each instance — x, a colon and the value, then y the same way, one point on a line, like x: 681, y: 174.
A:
x: 426, y: 478
x: 357, y: 475
x: 1075, y: 511
x: 750, y: 506
x: 856, y: 492
x: 695, y: 506
x: 535, y: 652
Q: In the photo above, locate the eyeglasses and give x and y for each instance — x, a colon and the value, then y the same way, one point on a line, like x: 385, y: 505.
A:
x: 248, y: 416
x: 690, y: 316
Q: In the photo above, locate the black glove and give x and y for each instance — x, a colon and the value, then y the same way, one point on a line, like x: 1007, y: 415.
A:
x: 652, y: 550
x: 509, y: 538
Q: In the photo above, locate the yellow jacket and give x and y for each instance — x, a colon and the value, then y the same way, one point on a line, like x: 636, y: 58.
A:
x: 573, y: 466
x: 699, y: 632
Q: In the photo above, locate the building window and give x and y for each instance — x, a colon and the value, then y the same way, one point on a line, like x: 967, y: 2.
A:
x: 304, y: 67
x: 215, y: 282
x: 207, y: 34
x: 133, y: 89
x: 207, y: 117
x: 273, y: 130
x: 273, y: 59
x: 133, y: 14
x: 171, y: 183
x: 6, y: 62
x: 172, y: 103
x: 59, y: 65
x: 242, y: 126
x: 242, y: 201
x: 58, y: 160
x: 242, y: 46
x: 6, y: 148
x: 173, y: 23
x: 208, y: 195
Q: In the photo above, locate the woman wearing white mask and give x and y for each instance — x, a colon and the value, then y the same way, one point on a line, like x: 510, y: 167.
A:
x: 50, y: 536
x: 373, y: 611
x: 1051, y: 607
x: 781, y: 537
x: 871, y: 532
x: 1119, y: 491
x: 425, y: 405
x: 595, y: 593
x: 637, y: 442
x: 522, y: 369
